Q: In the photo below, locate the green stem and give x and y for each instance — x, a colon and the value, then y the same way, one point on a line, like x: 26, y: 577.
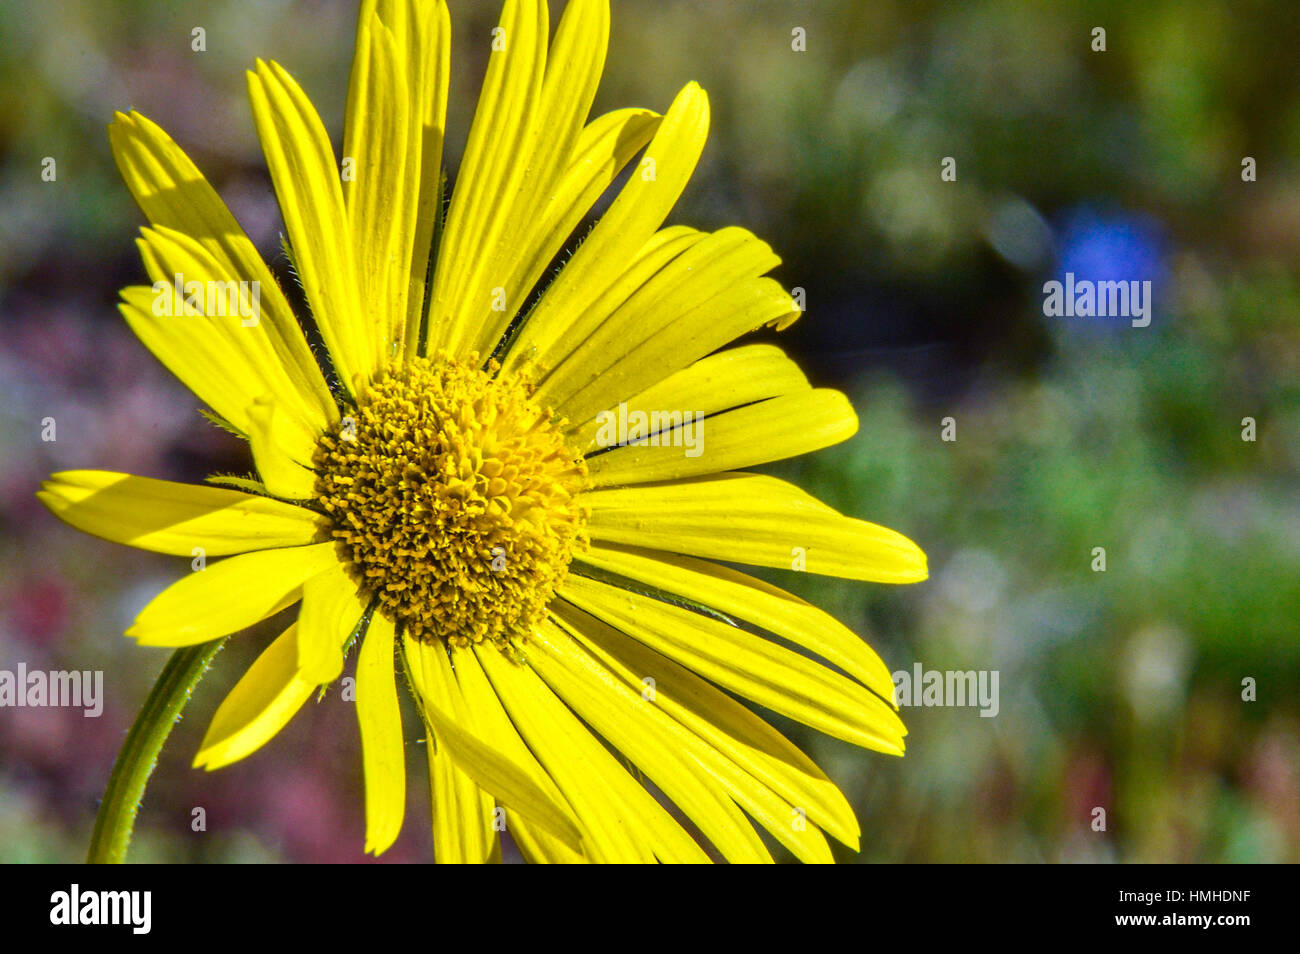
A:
x: 135, y: 763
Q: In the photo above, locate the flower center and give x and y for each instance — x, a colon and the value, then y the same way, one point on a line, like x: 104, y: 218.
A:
x: 452, y: 500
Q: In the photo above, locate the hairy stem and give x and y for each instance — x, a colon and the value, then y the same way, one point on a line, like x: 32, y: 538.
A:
x: 135, y: 762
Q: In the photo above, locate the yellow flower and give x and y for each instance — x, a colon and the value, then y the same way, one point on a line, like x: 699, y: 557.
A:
x: 453, y: 490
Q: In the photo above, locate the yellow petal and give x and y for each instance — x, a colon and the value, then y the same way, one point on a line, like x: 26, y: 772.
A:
x: 430, y: 69
x: 769, y: 430
x: 622, y: 822
x: 457, y: 727
x: 273, y: 444
x: 622, y: 231
x: 383, y: 751
x: 306, y: 176
x: 229, y: 595
x: 393, y: 133
x: 744, y: 597
x: 331, y: 609
x: 736, y: 732
x: 539, y: 848
x: 199, y: 313
x: 754, y: 519
x: 463, y: 814
x: 771, y: 675
x: 173, y: 194
x: 534, y: 841
x: 638, y: 362
x: 686, y: 770
x: 606, y: 145
x: 492, y: 171
x: 174, y: 518
x: 381, y: 141
x: 663, y: 247
x: 259, y: 706
x: 788, y: 822
x: 710, y: 268
x: 197, y: 351
x: 573, y: 68
x: 728, y: 379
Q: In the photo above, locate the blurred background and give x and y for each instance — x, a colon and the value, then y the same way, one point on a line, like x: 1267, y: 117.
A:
x: 1120, y: 689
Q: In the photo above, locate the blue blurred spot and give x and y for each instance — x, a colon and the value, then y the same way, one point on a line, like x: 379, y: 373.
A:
x: 1097, y: 245
x: 1111, y: 246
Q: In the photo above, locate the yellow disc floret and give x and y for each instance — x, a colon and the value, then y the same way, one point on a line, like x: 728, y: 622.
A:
x: 452, y: 498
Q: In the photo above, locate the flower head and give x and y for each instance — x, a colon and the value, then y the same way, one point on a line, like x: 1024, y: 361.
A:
x: 442, y: 490
x: 453, y: 499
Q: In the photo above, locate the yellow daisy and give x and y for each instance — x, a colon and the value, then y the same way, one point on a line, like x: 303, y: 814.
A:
x: 449, y: 493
